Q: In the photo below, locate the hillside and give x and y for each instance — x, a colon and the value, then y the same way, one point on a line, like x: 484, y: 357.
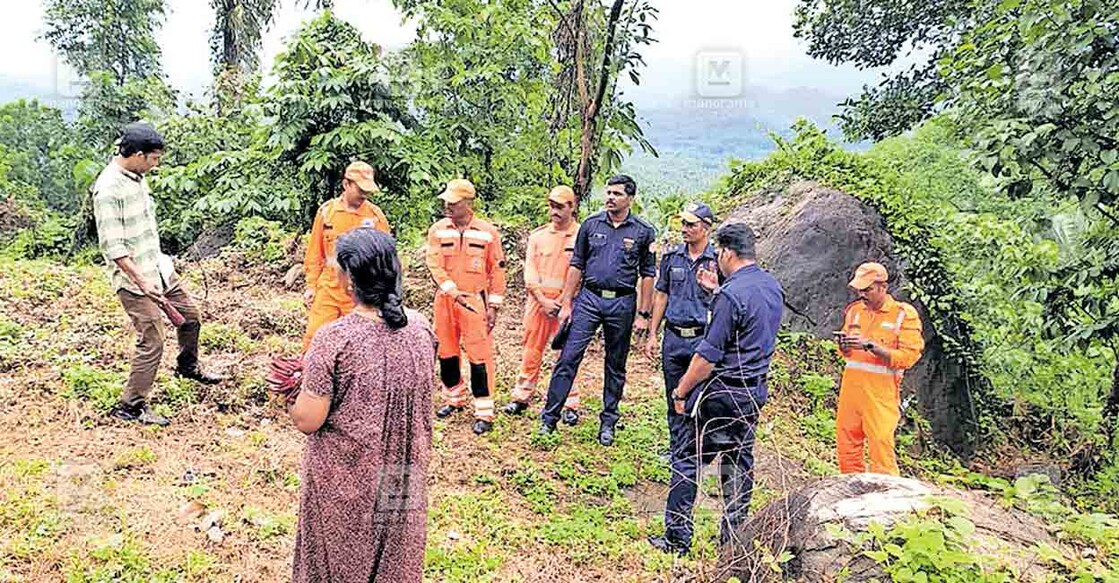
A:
x: 89, y: 499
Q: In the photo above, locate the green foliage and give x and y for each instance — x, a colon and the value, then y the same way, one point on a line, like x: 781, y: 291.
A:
x: 239, y: 27
x: 116, y: 36
x: 42, y: 152
x: 262, y: 241
x: 268, y: 526
x: 135, y: 458
x: 100, y: 388
x: 47, y: 239
x: 1033, y: 86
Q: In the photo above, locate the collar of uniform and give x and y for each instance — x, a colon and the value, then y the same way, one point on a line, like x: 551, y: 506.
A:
x: 888, y: 305
x: 340, y: 205
x: 606, y: 219
x: 753, y: 267
x: 127, y: 173
x: 707, y: 253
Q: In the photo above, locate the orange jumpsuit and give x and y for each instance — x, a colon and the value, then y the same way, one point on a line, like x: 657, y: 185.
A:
x: 546, y: 260
x: 472, y: 261
x: 332, y: 220
x: 869, y: 394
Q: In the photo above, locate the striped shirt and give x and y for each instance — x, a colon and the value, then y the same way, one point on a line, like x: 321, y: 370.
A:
x: 126, y: 226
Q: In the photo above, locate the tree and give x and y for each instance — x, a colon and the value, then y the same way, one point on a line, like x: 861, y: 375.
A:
x: 591, y: 65
x: 1034, y: 85
x: 117, y: 36
x: 42, y: 152
x: 239, y: 27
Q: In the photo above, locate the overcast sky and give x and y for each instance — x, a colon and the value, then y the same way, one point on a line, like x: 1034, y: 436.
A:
x: 760, y: 30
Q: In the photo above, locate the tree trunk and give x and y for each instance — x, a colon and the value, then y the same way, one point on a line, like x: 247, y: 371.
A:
x: 592, y: 106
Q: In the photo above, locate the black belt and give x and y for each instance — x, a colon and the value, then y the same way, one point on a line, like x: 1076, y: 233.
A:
x: 611, y: 293
x: 734, y: 381
x: 686, y: 332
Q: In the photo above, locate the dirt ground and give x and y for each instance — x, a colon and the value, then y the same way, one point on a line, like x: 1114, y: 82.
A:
x: 89, y: 499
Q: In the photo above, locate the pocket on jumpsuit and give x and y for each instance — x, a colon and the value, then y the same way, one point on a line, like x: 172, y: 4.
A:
x: 476, y: 257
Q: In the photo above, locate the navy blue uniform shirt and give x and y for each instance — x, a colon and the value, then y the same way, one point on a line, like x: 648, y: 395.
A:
x: 687, y: 300
x: 613, y: 258
x: 745, y: 316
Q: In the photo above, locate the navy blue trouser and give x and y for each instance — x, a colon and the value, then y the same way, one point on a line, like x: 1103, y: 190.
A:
x: 724, y: 425
x: 588, y: 312
x: 676, y: 355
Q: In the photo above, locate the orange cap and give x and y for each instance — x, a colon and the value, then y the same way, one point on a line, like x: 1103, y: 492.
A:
x: 867, y: 274
x: 562, y: 195
x: 458, y: 189
x: 362, y: 175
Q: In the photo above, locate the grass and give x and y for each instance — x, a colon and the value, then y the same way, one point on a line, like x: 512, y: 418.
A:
x: 135, y: 458
x: 525, y: 503
x: 98, y: 387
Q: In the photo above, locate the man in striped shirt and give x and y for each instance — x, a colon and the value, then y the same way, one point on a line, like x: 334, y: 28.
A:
x: 142, y: 276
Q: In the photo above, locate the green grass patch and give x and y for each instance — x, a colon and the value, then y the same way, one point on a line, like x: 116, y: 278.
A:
x: 135, y: 458
x: 99, y: 388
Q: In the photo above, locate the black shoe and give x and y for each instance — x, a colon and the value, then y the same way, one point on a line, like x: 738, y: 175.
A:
x: 140, y: 414
x: 514, y: 408
x: 481, y: 427
x: 570, y: 416
x: 197, y: 374
x: 547, y: 428
x: 606, y: 436
x: 446, y: 411
x: 667, y: 545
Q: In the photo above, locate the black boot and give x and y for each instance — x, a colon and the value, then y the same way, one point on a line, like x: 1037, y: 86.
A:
x: 547, y: 428
x: 195, y: 373
x: 606, y: 435
x: 667, y: 545
x: 481, y: 427
x: 514, y: 408
x: 446, y: 411
x: 570, y: 416
x: 141, y: 413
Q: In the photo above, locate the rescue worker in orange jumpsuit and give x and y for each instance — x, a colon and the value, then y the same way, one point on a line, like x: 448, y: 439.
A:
x: 467, y: 263
x: 881, y: 337
x: 546, y: 260
x: 327, y: 299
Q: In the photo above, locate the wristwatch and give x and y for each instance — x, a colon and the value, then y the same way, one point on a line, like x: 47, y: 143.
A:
x: 645, y: 315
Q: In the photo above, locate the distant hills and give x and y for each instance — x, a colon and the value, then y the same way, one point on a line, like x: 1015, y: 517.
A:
x: 696, y: 138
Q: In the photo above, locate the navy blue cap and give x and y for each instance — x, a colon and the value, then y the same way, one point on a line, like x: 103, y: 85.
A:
x: 695, y: 212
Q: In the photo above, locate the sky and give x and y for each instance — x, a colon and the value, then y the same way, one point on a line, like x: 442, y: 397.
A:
x: 758, y: 32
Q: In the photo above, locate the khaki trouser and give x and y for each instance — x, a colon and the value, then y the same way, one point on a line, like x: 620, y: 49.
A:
x: 147, y: 318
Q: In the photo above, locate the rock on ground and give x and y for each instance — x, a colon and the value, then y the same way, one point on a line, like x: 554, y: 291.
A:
x: 799, y: 524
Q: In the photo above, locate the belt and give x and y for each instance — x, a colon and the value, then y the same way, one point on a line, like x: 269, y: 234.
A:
x: 739, y: 382
x: 611, y: 293
x: 693, y: 332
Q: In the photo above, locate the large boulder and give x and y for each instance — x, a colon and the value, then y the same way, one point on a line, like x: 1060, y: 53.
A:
x: 815, y: 524
x: 812, y: 238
